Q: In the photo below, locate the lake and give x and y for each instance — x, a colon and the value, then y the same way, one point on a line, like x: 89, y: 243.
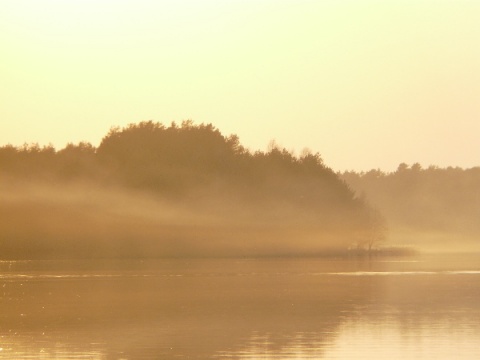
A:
x: 422, y: 307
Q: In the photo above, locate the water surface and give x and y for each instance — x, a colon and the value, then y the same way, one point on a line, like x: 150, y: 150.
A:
x: 420, y: 308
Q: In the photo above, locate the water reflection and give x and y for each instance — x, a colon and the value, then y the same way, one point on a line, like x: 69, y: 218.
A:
x: 23, y: 349
x: 295, y: 346
x: 448, y: 338
x: 245, y: 309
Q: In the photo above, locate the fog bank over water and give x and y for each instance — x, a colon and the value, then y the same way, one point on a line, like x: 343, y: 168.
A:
x: 433, y: 209
x: 84, y: 220
x: 187, y: 190
x: 155, y: 191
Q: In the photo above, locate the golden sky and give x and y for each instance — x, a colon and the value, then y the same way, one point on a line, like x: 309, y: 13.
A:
x: 368, y: 84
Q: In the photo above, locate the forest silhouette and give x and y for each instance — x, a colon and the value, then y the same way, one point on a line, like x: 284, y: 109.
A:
x: 150, y: 190
x: 431, y: 208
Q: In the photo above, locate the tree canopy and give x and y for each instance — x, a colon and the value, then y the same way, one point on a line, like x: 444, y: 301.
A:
x: 200, y: 168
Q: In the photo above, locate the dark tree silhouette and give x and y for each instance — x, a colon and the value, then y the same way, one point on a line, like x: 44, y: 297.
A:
x: 250, y: 198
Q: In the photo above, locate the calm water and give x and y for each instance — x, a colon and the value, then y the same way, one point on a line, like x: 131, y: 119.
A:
x: 414, y: 308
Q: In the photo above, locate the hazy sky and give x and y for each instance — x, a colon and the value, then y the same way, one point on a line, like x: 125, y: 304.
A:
x: 368, y: 84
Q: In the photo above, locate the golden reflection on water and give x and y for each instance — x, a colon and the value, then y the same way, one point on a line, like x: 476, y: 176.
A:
x: 387, y: 340
x: 241, y: 309
x: 35, y: 349
x: 363, y: 340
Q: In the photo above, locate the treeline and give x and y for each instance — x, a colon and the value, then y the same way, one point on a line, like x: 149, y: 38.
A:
x: 443, y: 204
x: 180, y: 189
x: 179, y: 161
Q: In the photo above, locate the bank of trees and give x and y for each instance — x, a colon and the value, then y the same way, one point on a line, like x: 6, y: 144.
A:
x: 441, y: 203
x: 281, y: 203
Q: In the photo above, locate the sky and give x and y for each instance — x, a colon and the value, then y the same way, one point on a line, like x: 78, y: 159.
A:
x: 367, y: 84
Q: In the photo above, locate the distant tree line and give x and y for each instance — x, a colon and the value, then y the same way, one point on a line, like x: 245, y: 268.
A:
x: 177, y: 160
x: 191, y: 163
x: 428, y: 200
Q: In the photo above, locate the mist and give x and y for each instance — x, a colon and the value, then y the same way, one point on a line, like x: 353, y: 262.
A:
x: 432, y: 209
x: 43, y: 220
x: 150, y: 190
x: 180, y: 191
